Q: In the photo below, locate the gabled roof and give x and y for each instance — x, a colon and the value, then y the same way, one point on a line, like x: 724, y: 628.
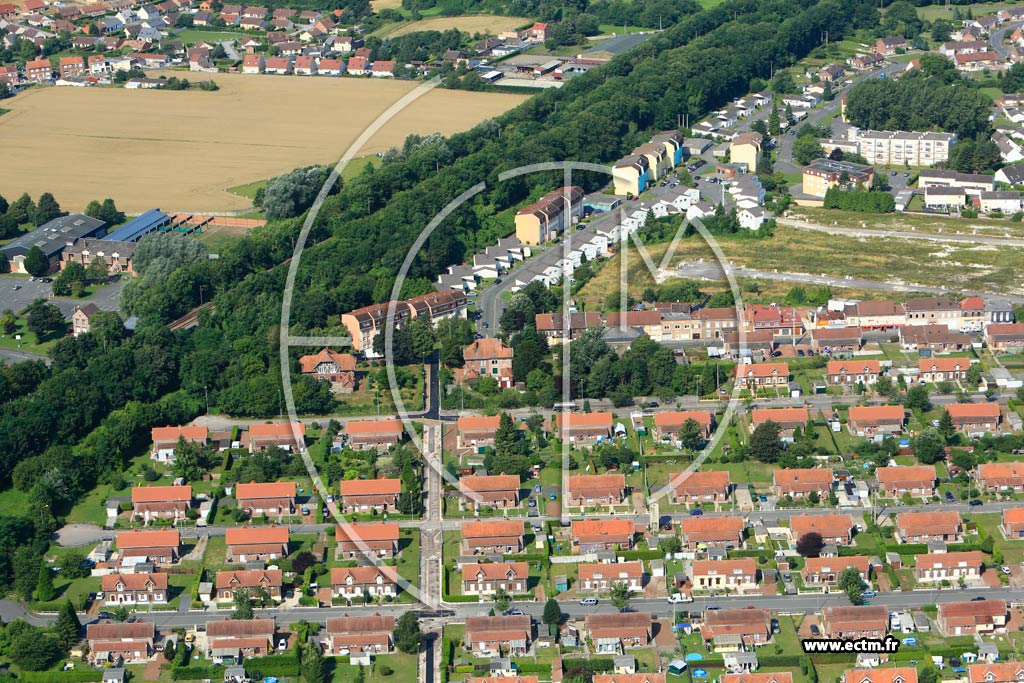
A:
x: 574, y: 420
x: 876, y: 413
x: 249, y: 578
x: 346, y: 362
x: 780, y: 415
x: 894, y: 675
x: 852, y: 367
x: 490, y: 483
x: 275, y: 489
x: 479, y: 423
x: 828, y: 526
x: 596, y: 482
x: 909, y: 473
x: 492, y: 571
x: 340, y: 575
x: 960, y: 411
x: 161, y: 494
x: 760, y: 370
x: 614, y: 528
x: 372, y: 623
x: 745, y: 565
x: 371, y: 531
x: 111, y: 630
x: 486, y: 349
x: 374, y: 427
x: 277, y: 430
x: 197, y: 433
x: 166, y: 538
x: 502, y: 528
x: 134, y: 582
x: 235, y: 628
x: 971, y: 558
x: 251, y: 535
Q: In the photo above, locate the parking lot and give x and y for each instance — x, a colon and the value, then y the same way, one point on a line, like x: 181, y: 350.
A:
x: 18, y: 292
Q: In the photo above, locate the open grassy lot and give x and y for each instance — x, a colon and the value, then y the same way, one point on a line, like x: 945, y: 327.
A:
x: 933, y: 12
x: 193, y: 36
x: 931, y: 224
x: 199, y: 144
x: 907, y: 263
x: 478, y: 23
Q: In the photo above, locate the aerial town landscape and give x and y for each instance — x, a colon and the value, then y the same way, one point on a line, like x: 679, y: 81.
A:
x: 656, y: 341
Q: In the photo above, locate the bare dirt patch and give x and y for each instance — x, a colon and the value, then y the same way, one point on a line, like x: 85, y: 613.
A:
x: 480, y: 23
x: 180, y: 151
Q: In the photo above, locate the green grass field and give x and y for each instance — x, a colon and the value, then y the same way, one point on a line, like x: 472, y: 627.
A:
x: 933, y: 12
x: 192, y: 36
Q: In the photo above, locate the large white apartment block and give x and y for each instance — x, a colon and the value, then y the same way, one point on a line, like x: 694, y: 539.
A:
x: 887, y: 147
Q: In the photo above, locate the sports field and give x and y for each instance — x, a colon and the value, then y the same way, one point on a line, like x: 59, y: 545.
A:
x: 478, y: 23
x: 181, y: 150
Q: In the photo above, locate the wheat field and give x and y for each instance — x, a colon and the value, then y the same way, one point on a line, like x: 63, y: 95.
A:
x: 180, y: 150
x: 477, y: 23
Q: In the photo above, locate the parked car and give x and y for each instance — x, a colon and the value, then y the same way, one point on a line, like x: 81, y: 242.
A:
x: 552, y: 497
x: 815, y: 631
x: 678, y: 598
x: 696, y: 512
x: 868, y: 594
x: 950, y: 498
x: 976, y: 599
x: 1006, y: 570
x: 514, y: 613
x: 974, y: 502
x: 587, y: 602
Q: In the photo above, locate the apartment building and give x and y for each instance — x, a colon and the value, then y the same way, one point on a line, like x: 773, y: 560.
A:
x: 898, y: 148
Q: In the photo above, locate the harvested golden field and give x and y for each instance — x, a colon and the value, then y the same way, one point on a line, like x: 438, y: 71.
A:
x: 180, y: 150
x: 378, y: 5
x: 480, y: 23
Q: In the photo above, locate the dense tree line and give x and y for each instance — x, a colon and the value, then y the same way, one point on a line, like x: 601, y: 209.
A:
x: 924, y: 99
x: 859, y: 199
x: 418, y: 46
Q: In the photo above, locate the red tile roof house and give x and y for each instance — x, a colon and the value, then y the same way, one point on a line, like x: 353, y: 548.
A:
x: 330, y: 366
x: 837, y: 340
x: 1002, y: 475
x: 971, y: 617
x: 490, y: 577
x: 250, y: 580
x: 120, y: 642
x: 253, y: 64
x: 976, y: 418
x: 590, y: 535
x: 370, y: 634
x: 256, y: 543
x: 9, y: 75
x: 869, y: 421
x: 825, y: 571
x: 369, y: 495
x: 613, y: 633
x: 165, y: 440
x: 357, y: 66
x: 855, y: 371
x: 38, y: 70
x: 593, y: 490
x: 354, y: 582
x: 599, y: 577
x: 943, y: 369
x: 382, y: 69
x: 72, y: 67
x: 376, y: 539
x: 1005, y: 337
x: 668, y: 423
x: 917, y: 480
x: 583, y: 429
x: 160, y: 502
x: 996, y: 672
x: 270, y: 499
x: 331, y: 67
x: 628, y: 678
x: 719, y: 532
x: 921, y: 527
x: 496, y: 636
x: 700, y: 487
x: 937, y: 338
x: 903, y: 674
x: 492, y: 490
x: 951, y: 567
x: 496, y: 537
x: 733, y: 576
x: 1013, y: 523
x: 835, y: 528
x: 476, y: 432
x: 733, y: 630
x: 159, y: 546
x: 788, y: 420
x: 850, y: 622
x: 278, y: 65
x: 488, y: 357
x: 378, y: 435
x: 288, y: 436
x: 305, y: 66
x: 800, y: 483
x: 134, y: 589
x: 763, y: 374
x: 239, y: 639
